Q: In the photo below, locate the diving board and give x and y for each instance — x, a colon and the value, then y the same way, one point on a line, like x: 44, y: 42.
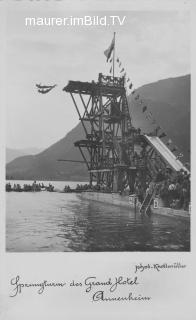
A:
x: 166, y: 153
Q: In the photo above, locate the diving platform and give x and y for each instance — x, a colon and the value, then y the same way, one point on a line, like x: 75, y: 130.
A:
x: 107, y: 85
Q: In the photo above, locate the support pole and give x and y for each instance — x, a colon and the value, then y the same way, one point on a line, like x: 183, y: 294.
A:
x: 114, y: 53
x: 78, y: 113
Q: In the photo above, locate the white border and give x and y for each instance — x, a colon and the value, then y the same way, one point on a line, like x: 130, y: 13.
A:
x: 173, y: 293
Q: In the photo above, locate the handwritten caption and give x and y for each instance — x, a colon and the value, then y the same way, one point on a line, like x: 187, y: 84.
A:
x: 104, y: 290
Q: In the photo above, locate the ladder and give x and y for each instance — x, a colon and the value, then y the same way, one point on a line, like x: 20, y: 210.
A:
x: 147, y: 201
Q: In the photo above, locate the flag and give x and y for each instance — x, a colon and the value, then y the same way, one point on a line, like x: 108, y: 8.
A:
x: 130, y: 86
x: 179, y: 156
x: 108, y: 51
x: 158, y: 128
x: 169, y: 142
x: 162, y: 135
x: 122, y: 70
x: 44, y: 89
x: 144, y: 109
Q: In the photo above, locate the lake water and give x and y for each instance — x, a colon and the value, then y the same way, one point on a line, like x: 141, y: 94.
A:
x: 52, y: 221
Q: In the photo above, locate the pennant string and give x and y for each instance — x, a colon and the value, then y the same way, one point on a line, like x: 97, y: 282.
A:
x: 149, y: 116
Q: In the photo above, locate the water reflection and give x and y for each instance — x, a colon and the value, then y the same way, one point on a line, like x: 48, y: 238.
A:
x: 99, y: 227
x: 64, y: 222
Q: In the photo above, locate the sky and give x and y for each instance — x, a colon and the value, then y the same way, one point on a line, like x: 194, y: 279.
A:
x: 152, y: 45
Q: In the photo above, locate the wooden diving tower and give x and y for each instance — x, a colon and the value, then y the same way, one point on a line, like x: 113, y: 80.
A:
x: 111, y: 142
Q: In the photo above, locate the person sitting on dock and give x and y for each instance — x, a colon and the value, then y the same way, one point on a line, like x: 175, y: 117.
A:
x: 8, y: 187
x: 67, y: 188
x: 18, y: 187
x: 34, y: 186
x: 175, y: 190
x: 50, y: 188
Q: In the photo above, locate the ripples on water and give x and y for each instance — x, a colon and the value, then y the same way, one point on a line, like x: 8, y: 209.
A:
x: 45, y: 221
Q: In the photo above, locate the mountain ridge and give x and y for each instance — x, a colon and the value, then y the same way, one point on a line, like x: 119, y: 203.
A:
x: 12, y: 153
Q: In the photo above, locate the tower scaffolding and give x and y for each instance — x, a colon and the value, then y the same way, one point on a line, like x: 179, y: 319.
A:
x: 109, y: 133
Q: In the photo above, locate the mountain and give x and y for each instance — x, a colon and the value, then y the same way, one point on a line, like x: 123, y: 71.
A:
x: 45, y: 165
x: 32, y: 150
x: 169, y: 102
x: 12, y: 154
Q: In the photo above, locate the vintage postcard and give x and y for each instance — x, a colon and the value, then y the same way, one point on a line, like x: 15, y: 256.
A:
x: 96, y: 161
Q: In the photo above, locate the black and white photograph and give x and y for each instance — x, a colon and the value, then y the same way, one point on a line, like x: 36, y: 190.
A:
x: 97, y: 169
x: 98, y: 131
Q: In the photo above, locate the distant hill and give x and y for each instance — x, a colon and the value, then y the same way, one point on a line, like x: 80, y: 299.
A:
x: 45, y: 165
x: 169, y: 102
x: 12, y: 154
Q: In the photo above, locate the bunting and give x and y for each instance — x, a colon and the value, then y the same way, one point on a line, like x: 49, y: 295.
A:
x: 179, y: 156
x: 149, y: 115
x: 144, y: 109
x: 162, y: 135
x: 158, y: 128
x: 169, y: 142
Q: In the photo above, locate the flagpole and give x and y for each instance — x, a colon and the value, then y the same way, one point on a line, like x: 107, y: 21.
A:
x: 114, y: 53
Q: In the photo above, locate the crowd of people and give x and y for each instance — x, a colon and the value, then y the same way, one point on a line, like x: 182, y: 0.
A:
x: 173, y: 190
x: 83, y: 187
x: 29, y: 187
x: 79, y: 187
x: 67, y: 188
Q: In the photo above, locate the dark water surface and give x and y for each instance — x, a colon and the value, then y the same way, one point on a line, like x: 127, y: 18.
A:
x: 50, y: 222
